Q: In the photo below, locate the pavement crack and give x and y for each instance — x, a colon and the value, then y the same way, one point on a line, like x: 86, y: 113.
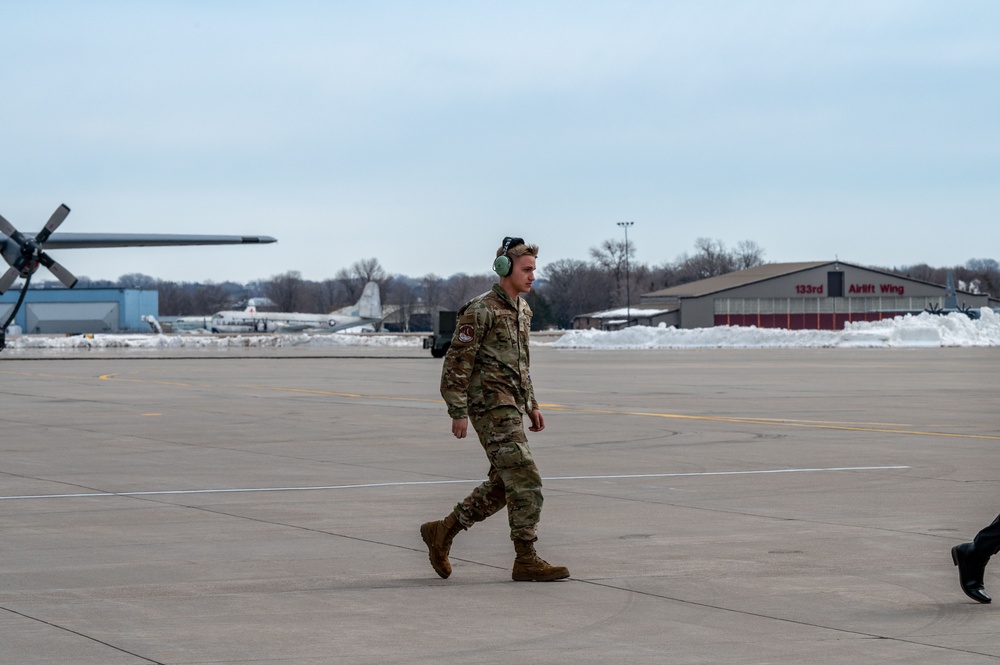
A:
x: 79, y: 634
x: 798, y: 622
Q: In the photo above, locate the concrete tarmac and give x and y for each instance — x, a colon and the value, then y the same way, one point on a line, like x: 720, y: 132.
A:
x: 713, y: 506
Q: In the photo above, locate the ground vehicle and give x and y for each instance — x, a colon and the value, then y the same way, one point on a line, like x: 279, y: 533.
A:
x: 444, y: 328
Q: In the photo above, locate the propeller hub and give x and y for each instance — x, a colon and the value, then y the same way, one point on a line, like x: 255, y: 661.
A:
x: 30, y: 248
x: 29, y: 255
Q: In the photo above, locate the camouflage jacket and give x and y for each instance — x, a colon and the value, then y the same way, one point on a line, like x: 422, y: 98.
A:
x: 487, y: 363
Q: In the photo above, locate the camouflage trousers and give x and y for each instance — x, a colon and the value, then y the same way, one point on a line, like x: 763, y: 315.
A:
x: 513, y: 479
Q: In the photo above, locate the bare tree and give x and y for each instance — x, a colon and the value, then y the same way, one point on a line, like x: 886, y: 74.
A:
x: 572, y: 287
x: 748, y: 254
x: 285, y: 290
x: 174, y: 299
x: 432, y: 287
x: 330, y: 296
x: 404, y: 297
x: 611, y: 257
x: 986, y: 274
x: 209, y: 298
x: 311, y: 298
x: 370, y: 270
x: 921, y: 271
x: 712, y: 258
x: 641, y: 280
x: 361, y: 272
x: 350, y: 286
x: 136, y: 280
x: 461, y: 288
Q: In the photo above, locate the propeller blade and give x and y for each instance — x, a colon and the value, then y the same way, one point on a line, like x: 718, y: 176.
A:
x: 56, y: 268
x: 8, y: 230
x: 8, y: 279
x: 57, y: 218
x: 6, y: 227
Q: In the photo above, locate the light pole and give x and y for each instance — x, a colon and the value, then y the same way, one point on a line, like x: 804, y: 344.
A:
x: 628, y: 286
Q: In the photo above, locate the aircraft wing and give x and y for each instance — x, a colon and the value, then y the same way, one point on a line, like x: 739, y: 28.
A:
x: 90, y: 240
x: 24, y: 252
x: 292, y: 326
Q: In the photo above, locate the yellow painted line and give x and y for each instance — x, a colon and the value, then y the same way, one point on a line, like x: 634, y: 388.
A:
x: 786, y: 423
x: 885, y: 428
x: 115, y: 377
x: 331, y: 393
x: 874, y: 428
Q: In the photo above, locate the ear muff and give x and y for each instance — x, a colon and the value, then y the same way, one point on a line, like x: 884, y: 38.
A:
x: 503, y: 265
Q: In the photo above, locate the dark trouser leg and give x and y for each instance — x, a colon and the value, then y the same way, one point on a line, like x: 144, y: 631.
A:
x: 986, y: 543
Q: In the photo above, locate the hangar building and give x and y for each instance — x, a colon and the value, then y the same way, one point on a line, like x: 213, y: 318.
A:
x: 81, y: 310
x: 815, y: 295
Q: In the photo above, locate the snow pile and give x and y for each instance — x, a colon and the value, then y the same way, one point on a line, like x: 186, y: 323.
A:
x: 209, y: 341
x: 922, y: 330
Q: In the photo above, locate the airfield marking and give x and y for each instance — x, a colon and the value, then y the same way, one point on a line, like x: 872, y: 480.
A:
x: 331, y: 393
x: 623, y: 476
x: 875, y: 428
x: 816, y: 424
x: 881, y: 428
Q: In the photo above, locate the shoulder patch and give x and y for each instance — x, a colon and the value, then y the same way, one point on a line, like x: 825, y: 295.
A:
x: 466, y: 333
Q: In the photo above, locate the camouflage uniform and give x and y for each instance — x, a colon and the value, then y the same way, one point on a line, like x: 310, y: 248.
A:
x: 485, y: 378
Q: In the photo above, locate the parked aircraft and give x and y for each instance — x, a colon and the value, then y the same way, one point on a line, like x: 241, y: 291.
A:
x: 191, y: 324
x: 368, y: 309
x: 24, y: 252
x: 951, y: 301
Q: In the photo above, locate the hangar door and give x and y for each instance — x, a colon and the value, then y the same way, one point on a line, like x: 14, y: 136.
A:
x: 71, y: 317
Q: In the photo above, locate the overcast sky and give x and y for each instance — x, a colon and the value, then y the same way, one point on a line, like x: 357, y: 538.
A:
x: 421, y: 133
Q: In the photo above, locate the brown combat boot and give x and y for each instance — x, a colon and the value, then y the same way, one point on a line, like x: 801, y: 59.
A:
x: 528, y: 567
x: 438, y: 536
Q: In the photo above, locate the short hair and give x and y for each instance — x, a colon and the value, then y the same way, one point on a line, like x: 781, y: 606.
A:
x: 519, y: 250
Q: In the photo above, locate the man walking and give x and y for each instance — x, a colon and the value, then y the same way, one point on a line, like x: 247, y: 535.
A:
x: 485, y: 379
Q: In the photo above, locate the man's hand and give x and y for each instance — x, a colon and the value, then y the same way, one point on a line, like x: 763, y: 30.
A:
x: 460, y: 427
x: 537, y: 421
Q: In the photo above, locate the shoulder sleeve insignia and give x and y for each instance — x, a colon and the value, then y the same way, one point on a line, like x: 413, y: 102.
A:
x: 466, y: 333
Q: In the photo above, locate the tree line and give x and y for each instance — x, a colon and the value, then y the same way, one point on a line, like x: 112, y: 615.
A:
x: 976, y: 276
x: 564, y: 288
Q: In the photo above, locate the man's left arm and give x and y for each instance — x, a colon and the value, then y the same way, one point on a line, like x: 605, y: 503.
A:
x: 534, y: 413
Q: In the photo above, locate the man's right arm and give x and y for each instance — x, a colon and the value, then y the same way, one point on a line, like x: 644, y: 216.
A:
x: 456, y: 373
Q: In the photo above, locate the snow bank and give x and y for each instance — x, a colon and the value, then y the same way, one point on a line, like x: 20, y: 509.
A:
x: 922, y: 330
x: 210, y: 341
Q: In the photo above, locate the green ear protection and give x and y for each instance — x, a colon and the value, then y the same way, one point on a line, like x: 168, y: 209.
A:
x: 503, y: 265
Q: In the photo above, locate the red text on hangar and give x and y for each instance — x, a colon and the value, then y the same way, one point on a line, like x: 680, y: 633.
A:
x: 894, y: 289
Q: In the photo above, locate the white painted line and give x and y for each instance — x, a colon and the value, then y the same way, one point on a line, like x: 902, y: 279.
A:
x: 443, y: 482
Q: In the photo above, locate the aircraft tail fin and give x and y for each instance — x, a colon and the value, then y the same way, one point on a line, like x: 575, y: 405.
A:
x: 369, y: 306
x: 950, y: 295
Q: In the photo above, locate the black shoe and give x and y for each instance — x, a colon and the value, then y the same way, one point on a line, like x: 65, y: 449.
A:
x: 970, y: 575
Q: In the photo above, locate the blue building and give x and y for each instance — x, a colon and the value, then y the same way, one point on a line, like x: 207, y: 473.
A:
x: 81, y: 310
